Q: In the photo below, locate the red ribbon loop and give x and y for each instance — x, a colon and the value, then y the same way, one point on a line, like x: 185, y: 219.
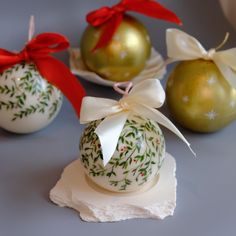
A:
x: 112, y: 17
x: 38, y: 51
x: 121, y: 8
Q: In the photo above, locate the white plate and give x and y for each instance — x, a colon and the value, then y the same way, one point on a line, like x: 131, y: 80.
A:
x: 154, y: 69
x: 155, y: 200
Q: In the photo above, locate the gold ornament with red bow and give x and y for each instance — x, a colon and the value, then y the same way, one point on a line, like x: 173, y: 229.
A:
x: 115, y: 45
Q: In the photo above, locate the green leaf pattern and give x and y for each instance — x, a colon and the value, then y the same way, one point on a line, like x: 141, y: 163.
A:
x: 138, y: 157
x: 16, y: 93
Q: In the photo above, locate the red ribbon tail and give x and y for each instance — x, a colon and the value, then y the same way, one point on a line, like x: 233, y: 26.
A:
x: 153, y: 9
x: 56, y: 73
x: 8, y: 59
x: 108, y: 31
x: 5, y: 67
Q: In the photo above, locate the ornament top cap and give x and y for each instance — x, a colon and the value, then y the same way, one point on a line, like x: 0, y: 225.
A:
x: 141, y: 100
x: 183, y: 47
x: 111, y: 17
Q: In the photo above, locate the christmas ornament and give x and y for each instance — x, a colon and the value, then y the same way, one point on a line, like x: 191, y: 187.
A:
x: 200, y: 91
x: 116, y: 46
x: 126, y: 55
x: 138, y: 156
x: 122, y: 147
x: 29, y: 83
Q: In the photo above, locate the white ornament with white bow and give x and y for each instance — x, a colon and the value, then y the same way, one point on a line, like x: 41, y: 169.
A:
x: 111, y: 116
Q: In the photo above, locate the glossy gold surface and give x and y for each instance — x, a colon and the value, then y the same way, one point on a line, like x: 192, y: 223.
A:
x: 124, y: 57
x: 199, y: 97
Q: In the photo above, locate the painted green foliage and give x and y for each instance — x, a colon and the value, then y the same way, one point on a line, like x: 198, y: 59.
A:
x: 20, y: 90
x: 139, y: 153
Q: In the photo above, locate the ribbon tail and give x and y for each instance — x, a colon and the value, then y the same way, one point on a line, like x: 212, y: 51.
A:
x: 8, y: 59
x: 5, y: 67
x: 108, y: 31
x: 153, y: 9
x: 109, y: 131
x: 56, y: 73
x: 157, y: 116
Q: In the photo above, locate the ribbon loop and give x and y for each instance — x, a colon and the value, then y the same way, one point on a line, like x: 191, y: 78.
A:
x: 47, y: 43
x: 125, y: 92
x: 183, y: 47
x: 119, y: 8
x: 113, y: 16
x: 100, y: 16
x: 115, y: 113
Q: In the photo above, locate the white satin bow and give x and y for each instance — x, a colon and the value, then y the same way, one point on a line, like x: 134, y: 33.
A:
x: 141, y: 100
x: 182, y: 47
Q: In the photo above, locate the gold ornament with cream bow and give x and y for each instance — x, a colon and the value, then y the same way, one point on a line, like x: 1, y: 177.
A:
x: 200, y: 91
x: 123, y: 146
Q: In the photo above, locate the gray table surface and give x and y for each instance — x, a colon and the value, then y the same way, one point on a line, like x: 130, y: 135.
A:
x: 31, y: 164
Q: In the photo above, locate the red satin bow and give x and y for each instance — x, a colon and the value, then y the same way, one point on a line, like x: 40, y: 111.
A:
x: 112, y: 17
x: 55, y: 72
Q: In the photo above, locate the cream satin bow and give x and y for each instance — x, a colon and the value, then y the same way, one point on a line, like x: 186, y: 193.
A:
x: 141, y: 100
x: 182, y: 47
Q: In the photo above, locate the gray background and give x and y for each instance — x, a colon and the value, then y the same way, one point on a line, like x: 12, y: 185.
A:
x: 30, y: 165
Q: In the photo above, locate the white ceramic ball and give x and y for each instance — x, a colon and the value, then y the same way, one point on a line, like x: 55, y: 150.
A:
x: 28, y: 102
x: 137, y: 160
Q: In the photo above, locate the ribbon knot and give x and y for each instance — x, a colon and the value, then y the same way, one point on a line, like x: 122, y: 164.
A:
x: 209, y: 55
x: 183, y: 47
x: 24, y: 55
x: 142, y: 100
x: 38, y: 51
x: 124, y: 105
x: 111, y: 17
